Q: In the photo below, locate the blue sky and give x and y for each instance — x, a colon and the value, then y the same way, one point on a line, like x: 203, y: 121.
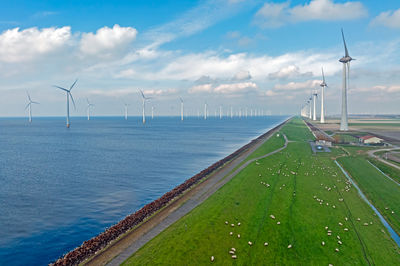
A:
x: 254, y: 54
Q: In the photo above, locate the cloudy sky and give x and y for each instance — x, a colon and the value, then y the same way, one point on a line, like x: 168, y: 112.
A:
x: 239, y: 53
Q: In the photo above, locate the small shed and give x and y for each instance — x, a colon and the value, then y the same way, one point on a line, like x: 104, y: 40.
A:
x: 370, y: 140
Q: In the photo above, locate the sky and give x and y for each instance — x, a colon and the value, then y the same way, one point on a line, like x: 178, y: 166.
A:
x: 231, y: 53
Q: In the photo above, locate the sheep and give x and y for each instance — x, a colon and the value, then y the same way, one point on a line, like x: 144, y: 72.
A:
x: 238, y: 235
x: 338, y: 237
x: 232, y: 225
x: 230, y: 233
x: 366, y: 224
x: 336, y: 249
x: 340, y: 224
x: 290, y: 246
x: 226, y: 222
x: 234, y: 257
x: 278, y: 223
x: 272, y: 216
x: 238, y: 224
x: 340, y: 242
x: 346, y: 229
x: 233, y: 249
x: 323, y: 243
x: 231, y: 252
x: 250, y: 243
x: 212, y: 258
x: 266, y: 244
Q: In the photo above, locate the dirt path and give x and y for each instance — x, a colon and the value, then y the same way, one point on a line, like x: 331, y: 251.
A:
x: 122, y: 249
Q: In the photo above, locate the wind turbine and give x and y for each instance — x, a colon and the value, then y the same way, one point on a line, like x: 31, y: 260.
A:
x: 315, y: 95
x: 88, y: 108
x: 231, y: 112
x: 144, y: 105
x: 68, y: 93
x: 126, y: 110
x: 346, y: 74
x: 29, y: 105
x: 205, y: 111
x: 310, y: 114
x: 323, y: 85
x: 220, y: 112
x: 152, y: 112
x: 181, y: 108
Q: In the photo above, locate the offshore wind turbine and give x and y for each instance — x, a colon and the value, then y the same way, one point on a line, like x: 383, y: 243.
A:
x: 144, y: 99
x: 323, y: 85
x: 88, y: 108
x: 29, y: 105
x: 126, y: 110
x: 205, y: 111
x: 152, y: 112
x: 180, y: 98
x: 69, y: 95
x: 315, y: 94
x: 220, y: 112
x: 346, y: 74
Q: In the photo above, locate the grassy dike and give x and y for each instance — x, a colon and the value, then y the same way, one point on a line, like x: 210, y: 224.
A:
x: 303, y: 195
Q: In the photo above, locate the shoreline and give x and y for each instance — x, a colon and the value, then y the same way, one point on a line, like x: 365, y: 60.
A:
x: 95, y: 248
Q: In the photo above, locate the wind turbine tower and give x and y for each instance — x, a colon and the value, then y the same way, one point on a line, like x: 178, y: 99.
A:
x: 346, y: 74
x: 69, y: 95
x: 181, y: 108
x: 88, y: 108
x: 144, y: 99
x: 220, y: 112
x: 152, y: 112
x: 310, y: 114
x: 315, y: 103
x: 29, y: 105
x: 205, y: 111
x: 126, y: 110
x: 323, y: 85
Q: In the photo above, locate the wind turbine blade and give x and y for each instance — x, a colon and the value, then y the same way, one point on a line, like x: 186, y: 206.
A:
x: 35, y: 102
x: 26, y: 107
x: 181, y: 99
x: 87, y: 100
x: 61, y: 88
x: 29, y: 97
x: 345, y: 46
x: 323, y: 76
x: 73, y: 84
x: 72, y: 98
x: 142, y: 94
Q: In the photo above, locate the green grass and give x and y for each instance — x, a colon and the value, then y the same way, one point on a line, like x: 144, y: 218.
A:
x: 390, y: 171
x: 346, y: 138
x: 382, y: 192
x: 270, y: 145
x: 203, y: 233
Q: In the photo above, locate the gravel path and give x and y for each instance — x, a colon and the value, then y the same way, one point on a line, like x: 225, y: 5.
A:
x: 211, y: 185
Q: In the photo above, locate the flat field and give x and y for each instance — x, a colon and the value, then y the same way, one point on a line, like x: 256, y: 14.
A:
x: 292, y: 208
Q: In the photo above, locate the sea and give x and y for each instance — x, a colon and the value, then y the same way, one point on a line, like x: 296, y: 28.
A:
x: 61, y: 186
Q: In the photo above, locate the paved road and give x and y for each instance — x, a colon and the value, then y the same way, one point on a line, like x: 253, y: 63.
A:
x: 215, y: 182
x: 372, y: 154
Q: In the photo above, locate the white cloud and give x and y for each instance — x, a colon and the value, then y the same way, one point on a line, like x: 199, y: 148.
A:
x: 242, y: 75
x: 291, y: 71
x: 293, y: 86
x: 107, y: 41
x: 273, y: 15
x: 236, y: 88
x: 389, y: 19
x: 31, y: 43
x: 201, y: 88
x: 227, y: 88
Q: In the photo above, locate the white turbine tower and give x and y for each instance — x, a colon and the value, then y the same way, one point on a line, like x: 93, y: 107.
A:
x: 310, y: 114
x: 323, y: 85
x: 346, y: 74
x: 144, y: 99
x: 220, y: 112
x: 88, y: 108
x: 152, y: 112
x: 205, y: 111
x: 231, y: 112
x: 29, y: 105
x: 315, y: 104
x: 126, y: 110
x: 68, y: 92
x: 181, y: 108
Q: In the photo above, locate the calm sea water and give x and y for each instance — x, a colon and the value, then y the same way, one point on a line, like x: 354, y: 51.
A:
x: 60, y: 187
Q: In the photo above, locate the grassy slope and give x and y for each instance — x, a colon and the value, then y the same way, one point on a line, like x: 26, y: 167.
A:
x: 382, y: 192
x: 390, y: 171
x: 203, y: 233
